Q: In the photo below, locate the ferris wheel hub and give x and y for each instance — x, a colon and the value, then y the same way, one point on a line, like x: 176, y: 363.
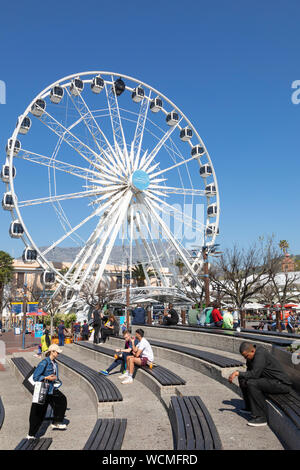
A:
x: 140, y: 180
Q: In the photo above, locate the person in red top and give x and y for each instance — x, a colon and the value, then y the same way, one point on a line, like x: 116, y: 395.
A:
x: 217, y: 317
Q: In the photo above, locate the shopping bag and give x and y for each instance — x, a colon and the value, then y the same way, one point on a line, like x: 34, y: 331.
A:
x: 28, y: 381
x: 40, y: 392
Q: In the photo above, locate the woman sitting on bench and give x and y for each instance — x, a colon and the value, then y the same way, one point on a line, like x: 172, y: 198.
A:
x: 108, y: 329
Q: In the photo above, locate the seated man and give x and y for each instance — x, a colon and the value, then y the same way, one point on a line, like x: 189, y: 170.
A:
x: 122, y: 355
x: 138, y: 316
x: 170, y: 316
x: 142, y: 355
x: 264, y: 376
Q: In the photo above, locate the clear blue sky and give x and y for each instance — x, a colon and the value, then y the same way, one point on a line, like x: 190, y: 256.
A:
x: 228, y: 65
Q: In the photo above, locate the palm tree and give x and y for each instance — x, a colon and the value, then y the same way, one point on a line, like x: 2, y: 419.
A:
x: 284, y: 246
x: 139, y: 275
x: 6, y: 274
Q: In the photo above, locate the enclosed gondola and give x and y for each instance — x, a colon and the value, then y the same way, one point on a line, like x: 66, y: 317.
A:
x: 156, y: 104
x: 97, y: 84
x: 38, y: 107
x: 7, y: 202
x: 16, y: 147
x: 210, y: 190
x: 212, y: 210
x: 197, y: 151
x: 172, y: 118
x: 47, y: 278
x: 205, y: 170
x: 56, y: 94
x: 25, y: 125
x: 16, y: 229
x: 5, y: 173
x: 29, y: 255
x: 118, y: 87
x: 138, y: 94
x: 212, y: 230
x: 186, y: 134
x: 76, y: 86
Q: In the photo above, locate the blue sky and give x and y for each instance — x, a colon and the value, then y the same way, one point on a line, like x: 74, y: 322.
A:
x: 228, y: 65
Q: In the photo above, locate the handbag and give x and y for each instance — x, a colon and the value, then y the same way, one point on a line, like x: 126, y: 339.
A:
x: 40, y: 392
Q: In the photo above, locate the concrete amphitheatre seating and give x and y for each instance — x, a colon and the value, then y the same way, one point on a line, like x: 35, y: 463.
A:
x: 42, y: 443
x: 283, y: 410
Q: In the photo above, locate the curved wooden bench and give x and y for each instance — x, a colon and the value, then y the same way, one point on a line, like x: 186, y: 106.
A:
x: 108, y: 434
x: 163, y: 375
x: 42, y: 443
x: 192, y: 425
x: 289, y: 403
x: 106, y: 391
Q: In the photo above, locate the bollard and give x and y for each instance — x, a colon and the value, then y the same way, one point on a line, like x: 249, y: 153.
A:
x: 183, y: 312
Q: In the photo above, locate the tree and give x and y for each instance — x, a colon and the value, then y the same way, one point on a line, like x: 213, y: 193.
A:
x: 241, y: 274
x: 138, y: 273
x: 284, y: 246
x: 6, y: 275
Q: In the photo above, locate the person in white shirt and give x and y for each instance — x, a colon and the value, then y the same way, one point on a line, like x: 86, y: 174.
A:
x: 142, y: 355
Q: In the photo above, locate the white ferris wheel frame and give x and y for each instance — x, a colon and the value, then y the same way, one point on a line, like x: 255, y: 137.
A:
x: 149, y: 201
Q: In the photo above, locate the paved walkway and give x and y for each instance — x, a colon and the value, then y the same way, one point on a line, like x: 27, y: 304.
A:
x: 14, y: 343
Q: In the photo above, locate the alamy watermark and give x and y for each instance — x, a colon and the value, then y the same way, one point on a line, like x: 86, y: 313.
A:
x: 295, y: 346
x: 296, y: 94
x: 2, y: 92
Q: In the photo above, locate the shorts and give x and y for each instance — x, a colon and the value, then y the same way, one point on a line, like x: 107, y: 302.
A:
x: 144, y: 361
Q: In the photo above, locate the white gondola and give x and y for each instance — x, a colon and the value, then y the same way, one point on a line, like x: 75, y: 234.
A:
x: 197, y: 151
x: 156, y: 105
x: 29, y: 255
x: 16, y: 229
x: 76, y: 86
x: 212, y: 210
x: 210, y: 190
x: 17, y: 147
x: 97, y: 84
x: 211, y: 230
x: 25, y: 125
x: 138, y: 94
x: 205, y: 171
x: 7, y: 202
x: 119, y: 87
x: 48, y: 278
x: 38, y: 108
x: 172, y: 118
x: 5, y: 173
x: 56, y: 94
x: 186, y: 134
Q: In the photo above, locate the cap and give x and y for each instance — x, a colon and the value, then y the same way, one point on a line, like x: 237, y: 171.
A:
x: 55, y: 347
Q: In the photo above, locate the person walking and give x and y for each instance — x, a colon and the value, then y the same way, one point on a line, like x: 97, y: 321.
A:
x: 96, y: 323
x: 47, y: 369
x: 61, y: 333
x: 264, y: 376
x: 85, y: 331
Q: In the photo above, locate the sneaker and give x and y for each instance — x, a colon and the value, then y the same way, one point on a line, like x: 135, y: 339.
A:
x: 30, y: 437
x: 103, y: 372
x: 258, y: 421
x: 58, y: 426
x: 128, y: 380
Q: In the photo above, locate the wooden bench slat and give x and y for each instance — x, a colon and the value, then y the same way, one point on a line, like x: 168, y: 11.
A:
x: 107, y: 434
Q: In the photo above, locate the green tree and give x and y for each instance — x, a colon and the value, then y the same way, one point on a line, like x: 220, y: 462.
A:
x: 6, y: 274
x: 284, y: 246
x: 139, y: 275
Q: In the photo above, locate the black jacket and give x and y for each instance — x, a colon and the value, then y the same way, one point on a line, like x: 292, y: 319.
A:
x: 264, y: 365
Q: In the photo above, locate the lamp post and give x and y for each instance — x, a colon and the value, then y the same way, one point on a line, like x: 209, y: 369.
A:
x: 127, y: 277
x: 24, y: 310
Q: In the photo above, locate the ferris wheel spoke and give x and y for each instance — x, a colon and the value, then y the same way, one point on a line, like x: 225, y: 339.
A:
x: 115, y: 117
x: 177, y: 165
x: 61, y: 197
x: 74, y: 170
x: 139, y: 131
x: 173, y: 190
x: 144, y: 164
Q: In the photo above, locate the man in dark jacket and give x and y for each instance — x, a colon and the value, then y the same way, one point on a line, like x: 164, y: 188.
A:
x: 170, y: 316
x: 264, y: 376
x: 138, y: 316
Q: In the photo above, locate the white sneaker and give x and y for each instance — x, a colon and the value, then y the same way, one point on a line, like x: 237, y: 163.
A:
x: 59, y: 426
x: 30, y: 437
x: 123, y: 376
x: 128, y: 380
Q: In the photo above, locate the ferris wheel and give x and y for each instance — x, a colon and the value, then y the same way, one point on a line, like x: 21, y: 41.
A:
x: 106, y: 163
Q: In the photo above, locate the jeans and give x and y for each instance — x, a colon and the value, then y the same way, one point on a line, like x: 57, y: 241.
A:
x: 255, y: 390
x: 57, y: 401
x: 96, y: 333
x: 61, y: 338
